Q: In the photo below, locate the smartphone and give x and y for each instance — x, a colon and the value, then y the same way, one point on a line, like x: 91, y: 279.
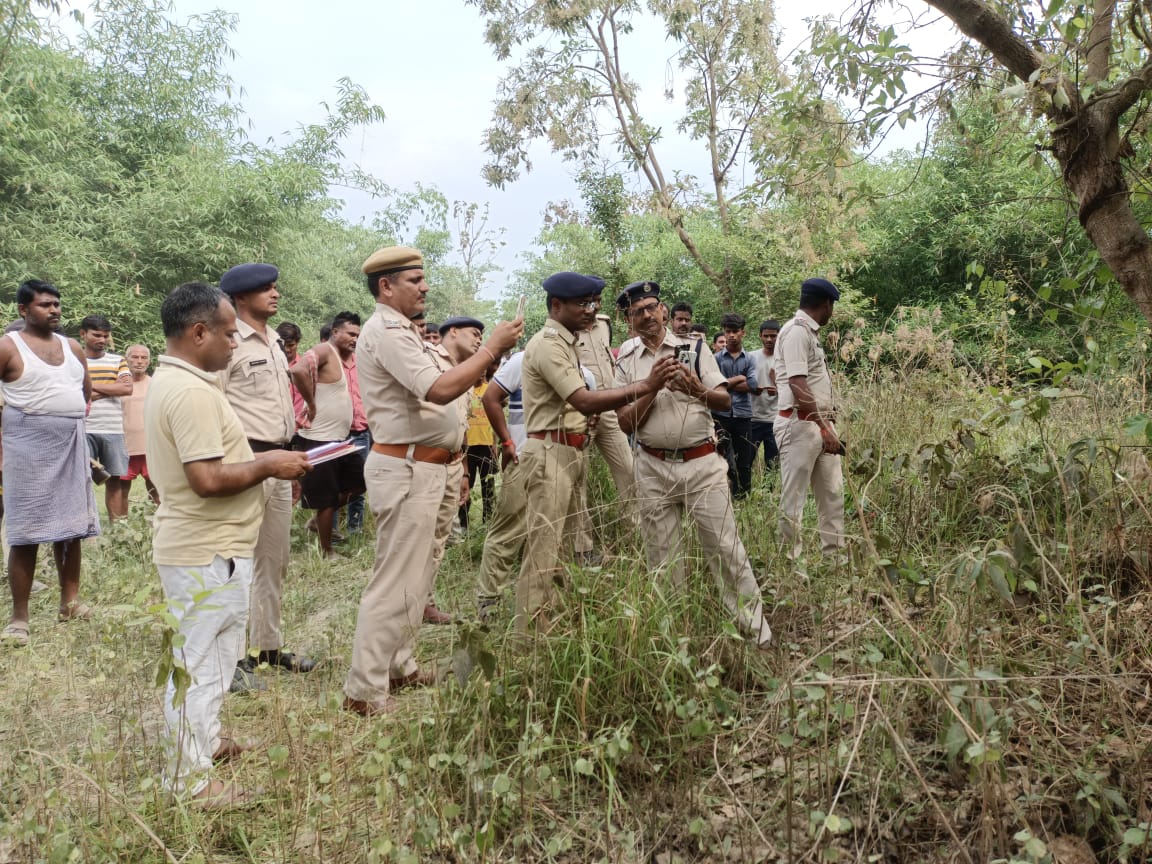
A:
x: 520, y: 305
x: 684, y: 354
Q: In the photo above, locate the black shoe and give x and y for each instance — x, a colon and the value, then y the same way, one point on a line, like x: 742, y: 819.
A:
x: 286, y: 660
x: 244, y: 678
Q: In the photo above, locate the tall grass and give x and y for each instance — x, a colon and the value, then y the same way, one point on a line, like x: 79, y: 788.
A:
x: 971, y: 686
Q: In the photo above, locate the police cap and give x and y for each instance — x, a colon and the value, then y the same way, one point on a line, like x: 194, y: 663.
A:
x: 819, y: 289
x: 248, y: 277
x: 570, y: 286
x: 461, y: 321
x: 635, y: 292
x: 393, y: 259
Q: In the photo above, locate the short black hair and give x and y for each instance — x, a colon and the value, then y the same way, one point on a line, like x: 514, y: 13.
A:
x: 682, y: 307
x: 769, y: 324
x: 288, y: 331
x: 716, y: 336
x: 325, y: 331
x: 812, y: 301
x: 96, y: 322
x: 697, y: 328
x: 732, y: 321
x: 29, y: 288
x: 431, y: 327
x: 190, y: 304
x: 343, y: 318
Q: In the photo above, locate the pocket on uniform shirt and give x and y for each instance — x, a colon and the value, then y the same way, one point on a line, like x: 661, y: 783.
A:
x: 257, y: 380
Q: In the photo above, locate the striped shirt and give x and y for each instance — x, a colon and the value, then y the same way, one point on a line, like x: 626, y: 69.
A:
x: 107, y: 414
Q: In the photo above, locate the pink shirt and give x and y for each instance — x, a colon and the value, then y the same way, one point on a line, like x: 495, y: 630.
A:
x: 359, y: 418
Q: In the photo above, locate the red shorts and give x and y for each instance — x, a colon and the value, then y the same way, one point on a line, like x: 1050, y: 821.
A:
x: 137, y: 467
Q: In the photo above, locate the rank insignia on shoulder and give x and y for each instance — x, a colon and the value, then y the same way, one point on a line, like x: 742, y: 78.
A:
x: 551, y: 331
x: 392, y: 322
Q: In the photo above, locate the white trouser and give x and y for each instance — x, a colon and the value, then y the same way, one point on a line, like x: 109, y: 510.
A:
x: 213, y: 626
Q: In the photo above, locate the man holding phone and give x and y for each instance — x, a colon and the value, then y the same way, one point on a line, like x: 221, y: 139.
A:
x: 805, y: 427
x: 678, y: 469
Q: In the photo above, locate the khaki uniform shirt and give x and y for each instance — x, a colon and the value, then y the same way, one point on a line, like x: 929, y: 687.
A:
x: 397, y: 369
x: 187, y: 419
x: 798, y: 352
x: 257, y: 384
x: 675, y: 421
x: 551, y: 374
x: 594, y: 348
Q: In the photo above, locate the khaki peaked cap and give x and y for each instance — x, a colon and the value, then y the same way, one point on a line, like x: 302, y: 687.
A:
x: 393, y: 259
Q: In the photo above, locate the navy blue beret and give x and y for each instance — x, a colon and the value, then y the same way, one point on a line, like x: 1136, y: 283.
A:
x: 248, y: 277
x: 819, y: 288
x: 637, y: 291
x: 570, y: 286
x: 461, y: 321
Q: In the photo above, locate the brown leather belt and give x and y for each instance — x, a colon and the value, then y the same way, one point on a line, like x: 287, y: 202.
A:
x: 810, y: 416
x: 705, y: 449
x: 259, y: 446
x: 570, y: 438
x: 419, y: 453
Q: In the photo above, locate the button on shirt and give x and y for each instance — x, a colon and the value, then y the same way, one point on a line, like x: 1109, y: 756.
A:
x: 741, y: 364
x: 798, y: 352
x: 551, y: 374
x: 594, y: 349
x: 764, y: 404
x: 257, y: 384
x: 675, y: 421
x: 396, y: 370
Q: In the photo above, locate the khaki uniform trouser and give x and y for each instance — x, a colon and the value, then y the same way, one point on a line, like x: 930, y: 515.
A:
x: 804, y: 465
x: 613, y: 446
x: 445, y: 517
x: 552, y: 473
x: 407, y: 498
x: 667, y: 491
x: 270, y: 567
x: 505, y: 537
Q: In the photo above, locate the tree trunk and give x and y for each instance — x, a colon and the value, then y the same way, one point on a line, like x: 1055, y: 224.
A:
x: 1087, y: 152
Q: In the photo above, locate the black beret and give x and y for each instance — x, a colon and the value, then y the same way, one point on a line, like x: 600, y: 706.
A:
x: 248, y: 277
x: 637, y: 291
x: 569, y: 286
x: 819, y: 288
x: 461, y: 321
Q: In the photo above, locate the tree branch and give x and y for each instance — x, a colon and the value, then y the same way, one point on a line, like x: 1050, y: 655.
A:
x: 1114, y: 103
x: 979, y: 21
x: 1099, y: 50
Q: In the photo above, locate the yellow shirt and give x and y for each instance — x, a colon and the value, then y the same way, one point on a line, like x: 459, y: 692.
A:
x: 396, y: 371
x: 552, y: 374
x: 479, y: 429
x: 187, y: 419
x: 675, y: 421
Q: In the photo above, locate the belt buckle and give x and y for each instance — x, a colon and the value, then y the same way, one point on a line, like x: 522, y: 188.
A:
x: 673, y: 455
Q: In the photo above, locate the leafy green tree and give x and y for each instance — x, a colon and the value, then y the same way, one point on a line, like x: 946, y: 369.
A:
x: 1085, y: 70
x: 571, y: 86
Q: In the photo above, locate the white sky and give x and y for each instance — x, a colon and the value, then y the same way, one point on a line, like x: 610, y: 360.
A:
x: 427, y: 65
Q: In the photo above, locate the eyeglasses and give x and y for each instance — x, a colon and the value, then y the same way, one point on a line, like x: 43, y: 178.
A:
x: 649, y: 309
x: 587, y: 305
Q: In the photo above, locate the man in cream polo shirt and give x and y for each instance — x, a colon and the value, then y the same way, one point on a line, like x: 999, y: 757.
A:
x: 211, y: 506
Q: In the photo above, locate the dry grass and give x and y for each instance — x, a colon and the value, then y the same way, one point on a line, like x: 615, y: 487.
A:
x: 912, y: 710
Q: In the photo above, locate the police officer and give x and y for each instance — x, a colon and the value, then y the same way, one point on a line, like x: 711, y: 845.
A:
x: 557, y: 402
x: 678, y: 470
x: 256, y: 383
x: 412, y: 398
x: 805, y: 428
x: 594, y: 348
